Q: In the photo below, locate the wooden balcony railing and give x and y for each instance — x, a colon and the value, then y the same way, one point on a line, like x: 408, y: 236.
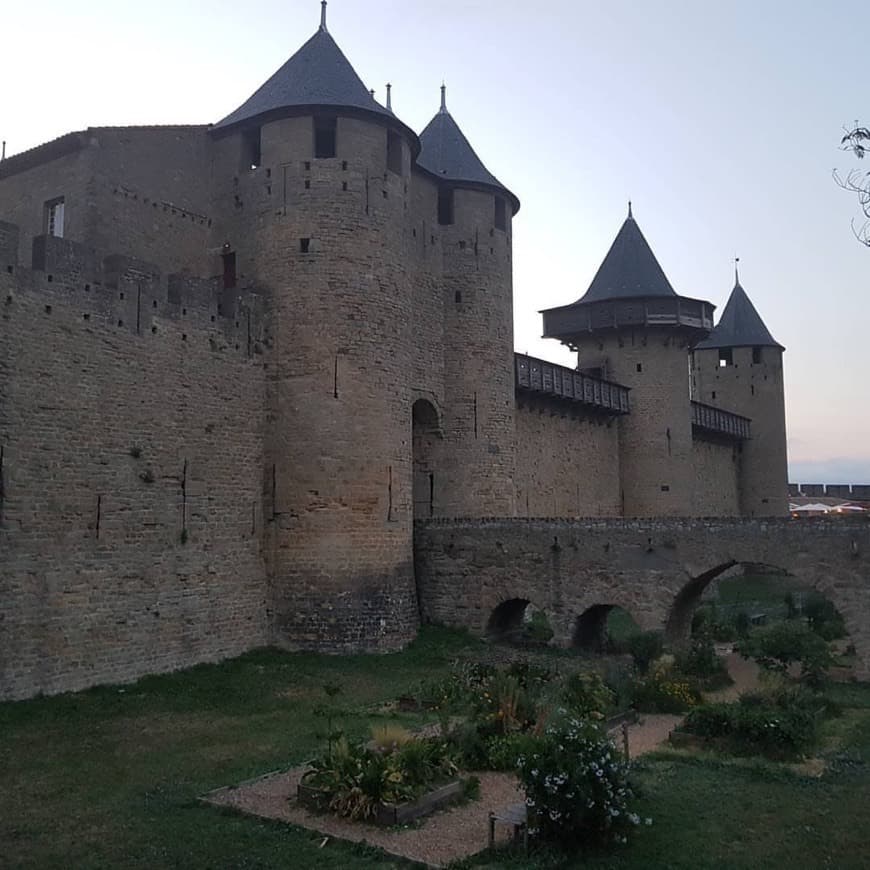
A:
x: 559, y: 382
x: 708, y: 418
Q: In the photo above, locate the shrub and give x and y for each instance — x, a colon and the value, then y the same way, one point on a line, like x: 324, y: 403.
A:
x: 823, y: 617
x: 502, y: 752
x: 645, y: 647
x: 577, y: 788
x: 586, y: 694
x: 779, y: 724
x: 537, y: 627
x: 665, y: 696
x: 784, y: 643
x: 699, y: 660
x: 710, y: 720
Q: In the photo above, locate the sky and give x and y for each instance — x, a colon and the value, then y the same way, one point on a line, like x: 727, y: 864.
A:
x: 720, y: 121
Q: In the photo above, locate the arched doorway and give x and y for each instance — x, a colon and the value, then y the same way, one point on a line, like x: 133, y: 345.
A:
x: 603, y: 628
x: 426, y: 437
x: 518, y: 621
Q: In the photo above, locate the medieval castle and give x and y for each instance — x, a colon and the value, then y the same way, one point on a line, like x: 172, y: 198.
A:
x: 238, y: 361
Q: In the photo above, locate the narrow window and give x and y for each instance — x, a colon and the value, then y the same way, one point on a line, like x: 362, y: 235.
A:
x: 394, y: 152
x: 725, y: 357
x: 640, y: 367
x: 445, y: 206
x: 500, y: 214
x: 304, y: 246
x: 251, y: 149
x: 756, y: 356
x: 229, y: 260
x: 325, y: 136
x: 54, y: 210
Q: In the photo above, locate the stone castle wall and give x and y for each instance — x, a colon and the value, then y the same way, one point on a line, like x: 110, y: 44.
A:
x: 567, y: 462
x: 130, y: 472
x: 717, y: 469
x: 143, y: 191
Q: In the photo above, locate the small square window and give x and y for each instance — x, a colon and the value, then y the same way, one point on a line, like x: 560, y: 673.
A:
x: 756, y: 356
x: 726, y: 357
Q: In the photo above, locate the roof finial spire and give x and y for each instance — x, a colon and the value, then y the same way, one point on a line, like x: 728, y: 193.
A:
x: 323, y: 15
x: 389, y: 97
x: 736, y: 273
x: 630, y: 215
x: 443, y: 97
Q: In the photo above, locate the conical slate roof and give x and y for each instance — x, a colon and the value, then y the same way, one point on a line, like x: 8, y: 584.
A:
x: 739, y: 326
x: 317, y: 75
x: 630, y: 270
x: 447, y: 154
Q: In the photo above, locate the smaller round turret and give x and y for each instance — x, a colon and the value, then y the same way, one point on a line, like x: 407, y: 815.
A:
x: 474, y: 216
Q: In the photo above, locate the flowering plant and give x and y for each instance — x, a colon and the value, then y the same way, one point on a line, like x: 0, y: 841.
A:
x: 576, y: 785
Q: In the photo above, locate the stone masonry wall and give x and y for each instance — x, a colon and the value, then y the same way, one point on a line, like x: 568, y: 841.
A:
x: 141, y: 190
x: 717, y: 478
x: 656, y: 569
x: 567, y: 463
x: 130, y: 466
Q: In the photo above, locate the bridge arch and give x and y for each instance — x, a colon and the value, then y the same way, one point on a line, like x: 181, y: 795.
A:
x: 590, y: 630
x: 657, y: 569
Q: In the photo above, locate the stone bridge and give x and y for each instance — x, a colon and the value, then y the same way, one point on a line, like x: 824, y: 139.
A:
x: 471, y: 572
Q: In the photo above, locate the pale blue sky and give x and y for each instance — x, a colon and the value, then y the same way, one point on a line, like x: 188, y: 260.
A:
x: 719, y: 120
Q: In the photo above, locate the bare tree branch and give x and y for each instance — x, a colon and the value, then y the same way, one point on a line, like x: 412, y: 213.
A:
x: 857, y: 141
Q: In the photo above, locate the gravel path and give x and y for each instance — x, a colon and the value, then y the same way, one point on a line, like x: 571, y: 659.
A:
x: 443, y: 837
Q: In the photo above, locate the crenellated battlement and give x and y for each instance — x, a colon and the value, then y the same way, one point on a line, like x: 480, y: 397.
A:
x: 129, y: 294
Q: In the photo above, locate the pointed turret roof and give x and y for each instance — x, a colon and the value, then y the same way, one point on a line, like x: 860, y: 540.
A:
x: 740, y: 325
x: 448, y: 155
x: 630, y: 270
x: 318, y: 75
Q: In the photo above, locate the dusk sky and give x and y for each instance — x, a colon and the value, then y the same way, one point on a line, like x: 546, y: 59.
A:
x: 719, y: 121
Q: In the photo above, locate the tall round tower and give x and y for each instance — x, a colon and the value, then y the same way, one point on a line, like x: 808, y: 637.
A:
x: 739, y: 367
x: 474, y: 219
x: 329, y: 250
x: 632, y: 327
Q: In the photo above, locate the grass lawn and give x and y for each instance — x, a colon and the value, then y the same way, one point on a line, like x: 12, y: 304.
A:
x: 109, y: 778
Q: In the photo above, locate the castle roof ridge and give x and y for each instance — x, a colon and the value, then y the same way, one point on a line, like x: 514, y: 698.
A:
x: 740, y: 325
x: 317, y: 76
x: 447, y: 154
x: 629, y: 270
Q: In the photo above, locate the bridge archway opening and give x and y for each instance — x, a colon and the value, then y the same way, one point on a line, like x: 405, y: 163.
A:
x: 603, y: 628
x: 520, y: 622
x: 425, y: 439
x: 730, y: 600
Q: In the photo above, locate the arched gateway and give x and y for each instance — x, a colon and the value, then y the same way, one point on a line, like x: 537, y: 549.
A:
x: 655, y: 569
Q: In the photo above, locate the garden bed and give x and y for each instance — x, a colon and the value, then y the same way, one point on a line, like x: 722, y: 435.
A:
x: 386, y: 815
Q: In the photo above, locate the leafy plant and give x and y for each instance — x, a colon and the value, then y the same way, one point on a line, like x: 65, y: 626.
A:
x: 645, y: 647
x: 587, y: 694
x: 665, y: 695
x: 784, y: 643
x: 390, y: 737
x: 576, y: 785
x: 699, y: 660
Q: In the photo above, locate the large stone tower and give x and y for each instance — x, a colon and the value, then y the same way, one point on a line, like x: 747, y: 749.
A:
x: 632, y: 327
x: 474, y: 215
x: 331, y: 168
x: 739, y: 367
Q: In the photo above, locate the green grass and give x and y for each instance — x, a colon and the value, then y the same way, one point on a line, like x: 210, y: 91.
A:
x: 109, y: 778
